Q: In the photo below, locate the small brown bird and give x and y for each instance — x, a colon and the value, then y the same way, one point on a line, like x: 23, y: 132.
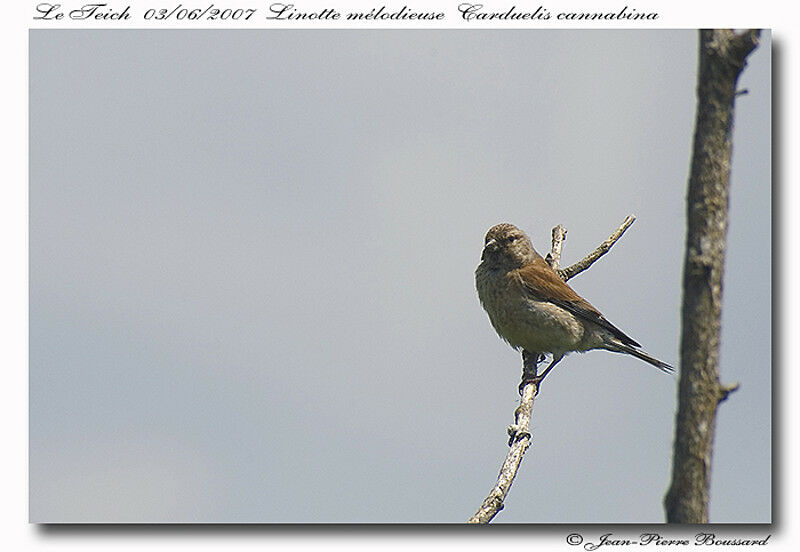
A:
x: 533, y: 309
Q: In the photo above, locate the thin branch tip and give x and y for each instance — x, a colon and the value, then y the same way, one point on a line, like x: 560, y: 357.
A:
x: 575, y: 269
x: 559, y: 234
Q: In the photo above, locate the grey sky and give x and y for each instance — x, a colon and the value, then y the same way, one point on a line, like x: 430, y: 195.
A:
x: 251, y: 273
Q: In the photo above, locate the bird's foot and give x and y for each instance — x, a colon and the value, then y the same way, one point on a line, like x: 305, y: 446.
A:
x: 531, y: 375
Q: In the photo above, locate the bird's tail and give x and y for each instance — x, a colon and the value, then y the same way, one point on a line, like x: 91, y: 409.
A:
x: 619, y: 347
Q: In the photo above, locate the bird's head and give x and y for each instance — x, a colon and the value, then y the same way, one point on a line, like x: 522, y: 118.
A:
x: 507, y: 247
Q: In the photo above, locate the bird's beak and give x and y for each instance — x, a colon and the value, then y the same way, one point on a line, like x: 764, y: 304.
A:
x: 491, y: 245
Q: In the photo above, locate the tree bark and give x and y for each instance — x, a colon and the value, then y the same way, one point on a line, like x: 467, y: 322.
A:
x: 722, y: 57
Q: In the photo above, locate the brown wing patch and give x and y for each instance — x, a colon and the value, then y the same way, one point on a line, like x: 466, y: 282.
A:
x: 543, y: 284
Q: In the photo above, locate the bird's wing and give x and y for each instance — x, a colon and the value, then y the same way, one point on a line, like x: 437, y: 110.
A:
x: 542, y: 283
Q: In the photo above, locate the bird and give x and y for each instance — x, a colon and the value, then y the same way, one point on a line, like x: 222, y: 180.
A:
x: 534, y: 310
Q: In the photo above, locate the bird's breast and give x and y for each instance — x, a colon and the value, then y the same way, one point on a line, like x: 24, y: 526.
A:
x: 537, y: 326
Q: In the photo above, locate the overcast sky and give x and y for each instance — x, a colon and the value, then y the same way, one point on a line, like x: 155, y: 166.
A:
x: 251, y: 273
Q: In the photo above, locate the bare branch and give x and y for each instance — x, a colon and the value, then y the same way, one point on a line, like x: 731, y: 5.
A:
x: 602, y: 249
x: 519, y: 441
x: 554, y: 257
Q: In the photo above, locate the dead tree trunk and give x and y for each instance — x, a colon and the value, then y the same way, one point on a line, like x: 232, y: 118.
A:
x: 723, y: 55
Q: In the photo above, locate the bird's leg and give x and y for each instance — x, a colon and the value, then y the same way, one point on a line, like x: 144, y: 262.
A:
x: 549, y: 367
x: 531, y: 376
x: 530, y: 366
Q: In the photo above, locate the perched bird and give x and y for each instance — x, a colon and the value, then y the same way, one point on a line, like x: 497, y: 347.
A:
x: 533, y: 309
